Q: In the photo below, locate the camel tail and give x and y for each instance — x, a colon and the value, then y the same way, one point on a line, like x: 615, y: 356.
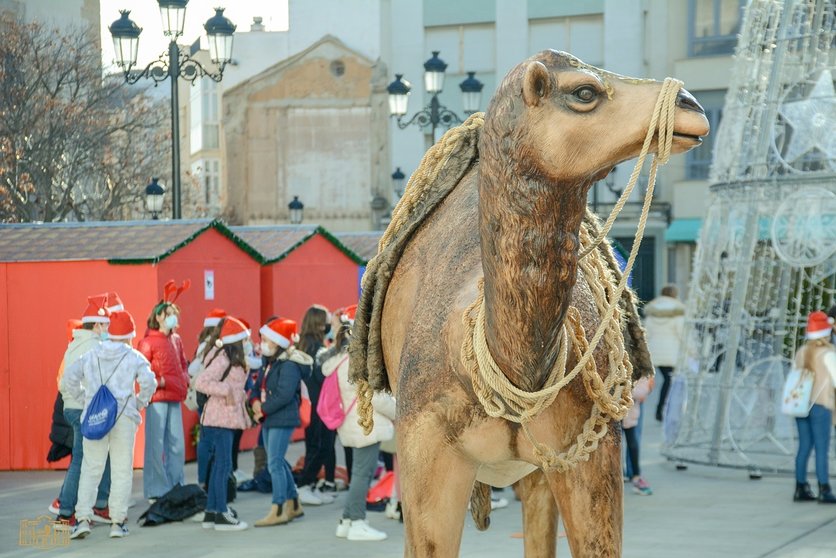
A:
x: 480, y: 505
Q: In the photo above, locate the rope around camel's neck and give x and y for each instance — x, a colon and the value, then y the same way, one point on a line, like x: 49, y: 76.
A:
x: 498, y: 396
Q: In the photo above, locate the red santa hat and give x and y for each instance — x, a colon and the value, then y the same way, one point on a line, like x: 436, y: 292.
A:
x: 349, y: 313
x: 96, y: 311
x: 232, y: 331
x: 280, y: 331
x: 214, y: 318
x: 114, y: 303
x: 121, y: 326
x: 819, y: 325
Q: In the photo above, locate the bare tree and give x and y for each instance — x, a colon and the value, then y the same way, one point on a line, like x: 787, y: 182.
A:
x: 73, y: 146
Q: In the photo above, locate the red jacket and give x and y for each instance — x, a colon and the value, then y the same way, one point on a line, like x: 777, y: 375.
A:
x: 168, y: 362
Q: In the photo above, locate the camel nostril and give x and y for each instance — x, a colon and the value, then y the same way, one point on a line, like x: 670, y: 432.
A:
x: 687, y: 101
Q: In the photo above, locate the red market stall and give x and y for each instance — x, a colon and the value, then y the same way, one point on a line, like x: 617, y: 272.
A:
x: 303, y: 265
x: 48, y: 270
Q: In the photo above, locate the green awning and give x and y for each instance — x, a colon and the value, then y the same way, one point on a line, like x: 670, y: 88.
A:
x: 683, y: 230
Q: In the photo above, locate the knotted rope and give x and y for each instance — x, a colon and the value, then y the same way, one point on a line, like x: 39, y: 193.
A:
x: 611, y: 397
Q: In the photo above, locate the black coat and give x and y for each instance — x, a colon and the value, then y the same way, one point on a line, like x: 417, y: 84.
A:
x: 60, y: 433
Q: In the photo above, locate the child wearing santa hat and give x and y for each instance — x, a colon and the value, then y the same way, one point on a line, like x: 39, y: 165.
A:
x: 276, y: 404
x: 817, y: 356
x: 115, y: 364
x: 223, y: 379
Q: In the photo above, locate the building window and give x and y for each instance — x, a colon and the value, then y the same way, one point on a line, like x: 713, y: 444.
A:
x: 698, y: 161
x: 713, y: 26
x: 204, y: 119
x: 208, y: 174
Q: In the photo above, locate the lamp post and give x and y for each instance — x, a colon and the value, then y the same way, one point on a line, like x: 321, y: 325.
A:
x: 297, y: 209
x: 154, y: 196
x: 397, y: 181
x: 435, y: 113
x: 174, y: 64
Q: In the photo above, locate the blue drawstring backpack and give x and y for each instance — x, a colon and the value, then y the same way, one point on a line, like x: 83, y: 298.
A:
x: 101, y: 412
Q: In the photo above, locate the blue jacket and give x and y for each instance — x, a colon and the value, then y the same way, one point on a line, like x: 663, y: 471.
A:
x: 279, y: 387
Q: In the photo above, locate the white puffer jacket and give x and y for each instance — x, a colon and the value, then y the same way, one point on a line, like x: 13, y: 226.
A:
x: 350, y: 433
x: 664, y: 321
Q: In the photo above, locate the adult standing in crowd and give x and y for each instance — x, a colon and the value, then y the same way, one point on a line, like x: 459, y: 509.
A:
x: 319, y: 439
x: 353, y: 525
x: 93, y: 330
x: 277, y: 405
x: 165, y: 449
x: 817, y: 355
x: 664, y: 320
x: 116, y: 365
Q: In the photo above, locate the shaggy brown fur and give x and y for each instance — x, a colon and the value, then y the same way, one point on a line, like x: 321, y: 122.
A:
x: 544, y: 142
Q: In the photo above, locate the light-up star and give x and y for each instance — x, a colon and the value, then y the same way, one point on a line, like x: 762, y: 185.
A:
x: 813, y: 121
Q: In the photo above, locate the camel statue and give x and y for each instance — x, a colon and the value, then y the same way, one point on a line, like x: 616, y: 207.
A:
x: 512, y: 224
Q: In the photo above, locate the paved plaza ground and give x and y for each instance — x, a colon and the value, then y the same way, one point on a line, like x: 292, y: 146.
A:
x: 702, y: 512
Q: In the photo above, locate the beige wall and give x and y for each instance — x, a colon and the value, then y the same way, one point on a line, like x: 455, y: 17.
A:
x: 303, y: 128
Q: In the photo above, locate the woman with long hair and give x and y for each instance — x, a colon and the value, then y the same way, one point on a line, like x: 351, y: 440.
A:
x: 816, y: 356
x: 165, y: 447
x: 223, y: 381
x: 353, y: 525
x: 319, y: 439
x: 277, y: 407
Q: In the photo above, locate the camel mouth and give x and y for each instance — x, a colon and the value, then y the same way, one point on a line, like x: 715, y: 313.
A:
x: 696, y: 140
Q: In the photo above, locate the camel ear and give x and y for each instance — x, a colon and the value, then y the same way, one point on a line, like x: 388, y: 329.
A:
x: 536, y: 84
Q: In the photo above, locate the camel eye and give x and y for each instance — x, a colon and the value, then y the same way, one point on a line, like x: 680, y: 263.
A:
x: 585, y: 93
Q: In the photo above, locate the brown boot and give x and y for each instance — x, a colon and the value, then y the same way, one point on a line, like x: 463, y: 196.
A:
x: 273, y: 517
x: 260, y: 456
x: 293, y: 509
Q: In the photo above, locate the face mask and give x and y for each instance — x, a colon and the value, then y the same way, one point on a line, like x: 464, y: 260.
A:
x: 267, y: 350
x: 248, y: 348
x: 103, y: 335
x: 170, y: 322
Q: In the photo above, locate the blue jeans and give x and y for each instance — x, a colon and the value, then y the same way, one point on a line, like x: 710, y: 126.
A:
x: 276, y: 441
x: 165, y: 450
x: 813, y: 432
x: 69, y: 490
x: 637, y: 430
x: 219, y: 447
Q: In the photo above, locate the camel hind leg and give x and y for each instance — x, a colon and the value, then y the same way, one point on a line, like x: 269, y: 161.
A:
x: 540, y: 513
x: 590, y: 498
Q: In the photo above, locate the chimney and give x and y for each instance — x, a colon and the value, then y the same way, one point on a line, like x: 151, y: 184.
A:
x: 257, y: 25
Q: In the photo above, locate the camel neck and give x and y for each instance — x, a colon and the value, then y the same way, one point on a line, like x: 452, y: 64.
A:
x: 529, y: 242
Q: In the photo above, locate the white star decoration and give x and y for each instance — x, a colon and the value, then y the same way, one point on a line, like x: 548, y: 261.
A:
x: 813, y: 121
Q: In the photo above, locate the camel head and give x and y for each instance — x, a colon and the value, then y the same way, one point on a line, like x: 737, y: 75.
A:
x: 562, y: 121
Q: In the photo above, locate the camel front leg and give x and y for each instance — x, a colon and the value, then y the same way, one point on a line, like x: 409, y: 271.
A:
x: 539, y: 510
x: 590, y: 498
x: 436, y: 482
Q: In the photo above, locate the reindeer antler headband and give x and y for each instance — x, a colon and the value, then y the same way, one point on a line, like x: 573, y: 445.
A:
x: 171, y: 292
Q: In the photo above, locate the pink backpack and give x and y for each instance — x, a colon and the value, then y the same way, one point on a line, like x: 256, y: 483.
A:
x: 330, y: 404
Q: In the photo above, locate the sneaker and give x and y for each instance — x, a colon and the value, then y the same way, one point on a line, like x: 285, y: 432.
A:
x: 640, y: 486
x: 241, y: 476
x: 119, y: 530
x: 102, y: 515
x: 81, y: 530
x: 55, y: 506
x: 360, y: 530
x: 343, y: 527
x: 326, y: 487
x: 393, y: 510
x: 227, y: 522
x: 325, y: 497
x: 498, y: 503
x: 308, y: 497
x: 64, y: 523
x: 208, y: 521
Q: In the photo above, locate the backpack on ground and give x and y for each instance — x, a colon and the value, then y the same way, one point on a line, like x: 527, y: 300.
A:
x: 330, y: 405
x: 101, y: 414
x: 176, y: 505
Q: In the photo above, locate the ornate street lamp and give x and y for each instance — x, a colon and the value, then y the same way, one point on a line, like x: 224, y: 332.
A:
x: 154, y: 197
x: 435, y: 113
x: 297, y: 209
x: 174, y: 64
x: 397, y: 181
